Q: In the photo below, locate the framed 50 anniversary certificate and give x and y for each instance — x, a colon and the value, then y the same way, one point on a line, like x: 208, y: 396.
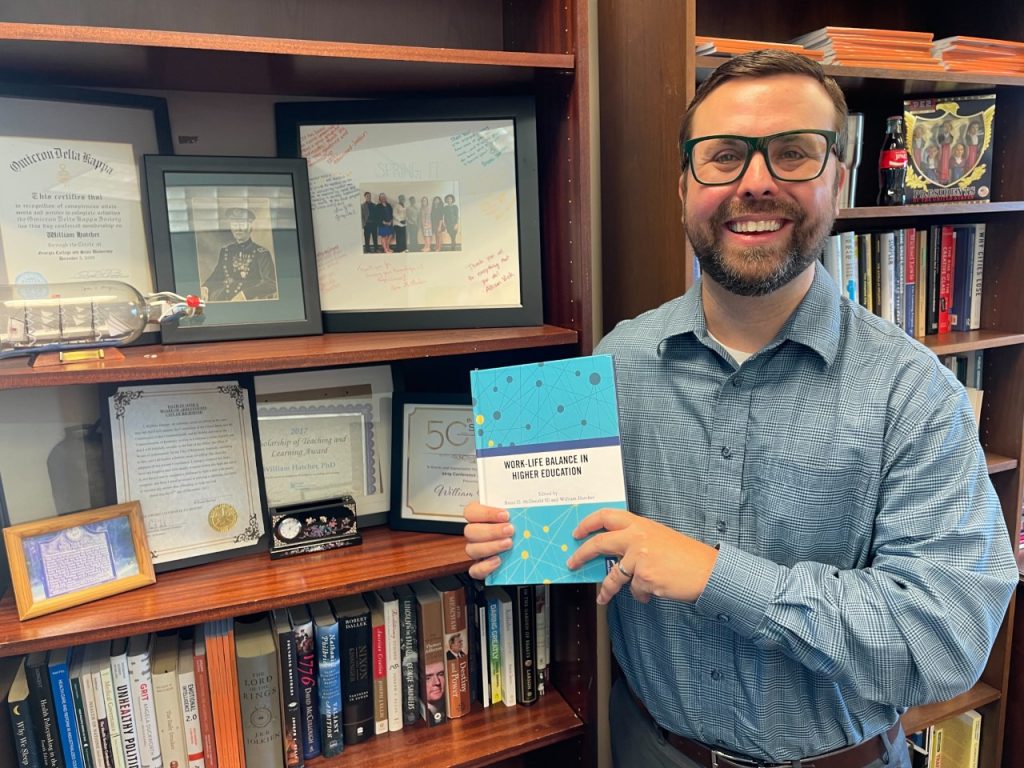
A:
x: 186, y: 452
x: 433, y: 462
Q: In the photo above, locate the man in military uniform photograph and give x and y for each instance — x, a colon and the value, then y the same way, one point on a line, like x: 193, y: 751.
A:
x: 245, y: 270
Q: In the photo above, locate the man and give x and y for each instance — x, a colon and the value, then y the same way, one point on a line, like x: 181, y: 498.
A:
x: 398, y: 217
x: 814, y: 542
x: 455, y: 650
x: 412, y: 226
x: 245, y: 271
x: 433, y: 686
x: 370, y: 216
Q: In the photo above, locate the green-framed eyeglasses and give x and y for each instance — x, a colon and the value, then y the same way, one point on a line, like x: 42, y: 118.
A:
x: 790, y: 155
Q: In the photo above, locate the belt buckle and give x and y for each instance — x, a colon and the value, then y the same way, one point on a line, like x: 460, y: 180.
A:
x: 734, y: 760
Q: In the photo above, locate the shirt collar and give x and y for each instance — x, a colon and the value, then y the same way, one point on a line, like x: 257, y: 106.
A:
x: 814, y: 324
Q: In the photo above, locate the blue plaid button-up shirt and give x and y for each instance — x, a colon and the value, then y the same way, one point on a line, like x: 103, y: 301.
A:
x: 864, y: 563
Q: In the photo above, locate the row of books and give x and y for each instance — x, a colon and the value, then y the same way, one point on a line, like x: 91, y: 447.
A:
x: 904, y: 49
x: 926, y: 281
x: 279, y: 688
x: 951, y: 743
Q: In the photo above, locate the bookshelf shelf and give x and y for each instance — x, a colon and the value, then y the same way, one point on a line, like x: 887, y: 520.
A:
x: 966, y: 341
x: 876, y: 212
x: 916, y: 718
x: 997, y: 463
x: 147, y: 363
x: 480, y: 738
x: 238, y: 586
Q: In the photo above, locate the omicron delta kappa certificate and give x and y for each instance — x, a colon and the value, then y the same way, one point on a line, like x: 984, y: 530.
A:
x: 186, y: 452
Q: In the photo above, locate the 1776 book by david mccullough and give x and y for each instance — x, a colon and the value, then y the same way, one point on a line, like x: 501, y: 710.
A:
x: 547, y: 448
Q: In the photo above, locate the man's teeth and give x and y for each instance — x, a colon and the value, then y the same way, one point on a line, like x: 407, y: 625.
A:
x: 755, y: 226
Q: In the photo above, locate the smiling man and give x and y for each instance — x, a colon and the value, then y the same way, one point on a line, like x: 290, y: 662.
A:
x: 814, y: 543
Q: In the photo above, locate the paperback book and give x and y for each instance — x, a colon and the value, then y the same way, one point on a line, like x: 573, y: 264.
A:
x: 548, y: 451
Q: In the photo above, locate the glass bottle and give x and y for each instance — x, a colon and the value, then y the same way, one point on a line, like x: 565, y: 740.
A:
x: 892, y: 164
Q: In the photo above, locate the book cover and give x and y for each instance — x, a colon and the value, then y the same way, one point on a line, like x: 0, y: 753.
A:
x: 23, y: 735
x: 506, y: 643
x: 393, y: 656
x: 328, y: 677
x: 379, y: 663
x: 167, y: 698
x: 204, y: 702
x: 949, y: 139
x: 41, y: 708
x: 356, y: 672
x: 189, y: 701
x: 258, y: 695
x: 409, y: 647
x: 431, y: 695
x: 140, y: 649
x: 455, y: 629
x: 956, y: 740
x: 547, y: 446
x: 291, y: 711
x: 309, y: 704
x: 121, y: 680
x: 58, y: 662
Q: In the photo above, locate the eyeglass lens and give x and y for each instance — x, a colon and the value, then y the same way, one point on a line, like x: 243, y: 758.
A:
x: 791, y: 157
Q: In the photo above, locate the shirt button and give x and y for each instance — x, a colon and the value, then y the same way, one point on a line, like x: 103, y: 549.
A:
x: 726, y: 452
x: 716, y: 675
x: 737, y: 381
x: 724, y: 618
x: 721, y: 527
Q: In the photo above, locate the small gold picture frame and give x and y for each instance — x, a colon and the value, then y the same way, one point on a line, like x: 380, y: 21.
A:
x: 72, y: 559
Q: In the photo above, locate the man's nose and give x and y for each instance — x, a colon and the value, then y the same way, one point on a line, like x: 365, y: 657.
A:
x: 757, y: 181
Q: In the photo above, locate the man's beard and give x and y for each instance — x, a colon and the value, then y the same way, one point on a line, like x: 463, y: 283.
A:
x: 777, y: 268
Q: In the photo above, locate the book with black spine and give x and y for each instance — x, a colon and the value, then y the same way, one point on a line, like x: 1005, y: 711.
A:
x: 353, y: 614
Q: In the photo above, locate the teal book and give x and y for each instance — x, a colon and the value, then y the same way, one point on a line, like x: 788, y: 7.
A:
x: 548, y: 451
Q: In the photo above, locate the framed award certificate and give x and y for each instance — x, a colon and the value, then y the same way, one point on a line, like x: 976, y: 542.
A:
x: 433, y: 462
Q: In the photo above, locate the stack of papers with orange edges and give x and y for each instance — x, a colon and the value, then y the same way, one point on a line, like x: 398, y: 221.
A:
x: 858, y: 47
x: 727, y: 46
x: 981, y: 55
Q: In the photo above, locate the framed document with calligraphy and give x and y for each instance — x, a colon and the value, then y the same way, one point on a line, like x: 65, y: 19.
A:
x: 433, y: 462
x: 425, y: 211
x: 187, y: 452
x: 73, y: 559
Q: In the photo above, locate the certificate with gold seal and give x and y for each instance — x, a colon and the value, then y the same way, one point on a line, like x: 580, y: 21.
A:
x: 186, y: 452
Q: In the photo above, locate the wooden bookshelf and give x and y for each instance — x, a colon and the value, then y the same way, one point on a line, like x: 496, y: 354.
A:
x: 639, y: 204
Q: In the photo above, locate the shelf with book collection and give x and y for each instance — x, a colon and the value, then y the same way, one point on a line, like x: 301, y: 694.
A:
x: 200, y: 50
x: 668, y: 32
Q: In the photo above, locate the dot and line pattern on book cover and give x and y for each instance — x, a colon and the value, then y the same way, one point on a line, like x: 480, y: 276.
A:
x: 544, y: 408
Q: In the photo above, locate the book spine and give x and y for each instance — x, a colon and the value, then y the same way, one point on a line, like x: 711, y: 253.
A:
x: 525, y: 623
x: 64, y: 709
x: 309, y: 705
x: 484, y: 656
x: 143, y: 705
x: 222, y: 671
x: 41, y: 701
x: 453, y: 612
x: 833, y: 260
x: 168, y: 714
x: 910, y: 281
x: 543, y: 596
x: 494, y: 649
x: 393, y: 654
x: 259, y: 698
x: 431, y: 655
x: 204, y: 704
x: 191, y: 730
x: 291, y: 710
x: 410, y: 655
x: 380, y: 679
x: 899, y: 277
x: 946, y: 268
x: 113, y: 718
x: 921, y: 283
x: 329, y: 686
x: 26, y: 746
x: 95, y: 720
x: 121, y: 681
x: 887, y: 284
x: 866, y: 271
x: 357, y: 704
x: 979, y: 272
x: 84, y: 734
x: 508, y: 654
x: 851, y: 275
x: 934, y: 268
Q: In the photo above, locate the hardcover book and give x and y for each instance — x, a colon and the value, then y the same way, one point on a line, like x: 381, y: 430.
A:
x: 58, y: 662
x: 26, y: 748
x: 140, y: 653
x: 949, y: 141
x: 309, y: 699
x: 524, y: 629
x: 356, y: 673
x: 455, y: 627
x: 127, y: 719
x: 167, y: 698
x: 547, y: 447
x: 204, y: 700
x: 429, y: 617
x: 328, y: 678
x: 258, y: 691
x: 192, y: 728
x: 291, y: 711
x: 409, y: 648
x: 41, y: 707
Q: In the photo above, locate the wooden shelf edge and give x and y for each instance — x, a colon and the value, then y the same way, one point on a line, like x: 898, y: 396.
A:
x: 929, y: 209
x: 483, y: 737
x: 265, y: 355
x: 966, y: 341
x: 916, y: 718
x: 997, y: 463
x: 238, y: 586
x: 62, y: 33
x: 706, y: 64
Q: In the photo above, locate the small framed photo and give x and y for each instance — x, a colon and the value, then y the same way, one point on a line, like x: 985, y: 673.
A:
x: 433, y: 462
x: 237, y: 232
x: 425, y: 211
x: 73, y: 559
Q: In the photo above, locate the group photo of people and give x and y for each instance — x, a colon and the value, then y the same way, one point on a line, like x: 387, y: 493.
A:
x: 945, y: 150
x: 417, y: 216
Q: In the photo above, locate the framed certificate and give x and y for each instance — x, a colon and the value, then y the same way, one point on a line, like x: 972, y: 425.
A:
x: 73, y: 559
x: 187, y: 452
x: 433, y: 462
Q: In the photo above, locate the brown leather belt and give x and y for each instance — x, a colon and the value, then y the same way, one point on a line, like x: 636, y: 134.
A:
x: 856, y: 756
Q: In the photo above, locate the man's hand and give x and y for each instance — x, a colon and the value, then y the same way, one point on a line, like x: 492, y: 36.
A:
x: 488, y: 534
x: 659, y: 562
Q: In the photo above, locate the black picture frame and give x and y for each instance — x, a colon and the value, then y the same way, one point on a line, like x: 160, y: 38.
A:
x: 196, y: 204
x: 457, y: 474
x: 79, y: 121
x: 480, y: 152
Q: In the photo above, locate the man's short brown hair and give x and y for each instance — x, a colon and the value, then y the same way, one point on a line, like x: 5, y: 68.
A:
x: 765, y: 63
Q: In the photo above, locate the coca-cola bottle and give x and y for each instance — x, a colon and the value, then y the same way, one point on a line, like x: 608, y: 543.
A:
x: 892, y: 164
